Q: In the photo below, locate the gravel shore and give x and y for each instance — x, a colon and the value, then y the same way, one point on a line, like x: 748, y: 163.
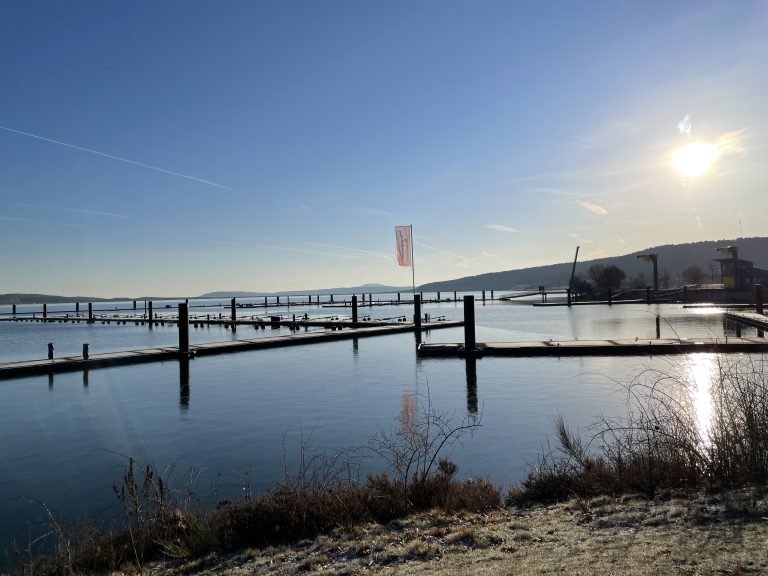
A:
x: 672, y: 534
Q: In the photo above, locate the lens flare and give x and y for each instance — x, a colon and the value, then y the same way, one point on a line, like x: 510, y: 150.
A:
x: 695, y: 159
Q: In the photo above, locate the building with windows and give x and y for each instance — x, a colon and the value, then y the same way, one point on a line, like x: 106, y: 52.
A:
x: 738, y: 274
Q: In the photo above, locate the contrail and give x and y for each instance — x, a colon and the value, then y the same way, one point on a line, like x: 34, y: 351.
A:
x: 110, y: 156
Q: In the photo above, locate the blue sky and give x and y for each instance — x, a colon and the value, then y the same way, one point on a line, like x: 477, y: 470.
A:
x: 183, y: 147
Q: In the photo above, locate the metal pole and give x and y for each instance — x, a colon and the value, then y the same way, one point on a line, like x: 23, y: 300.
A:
x: 354, y: 309
x: 759, y: 298
x: 233, y: 307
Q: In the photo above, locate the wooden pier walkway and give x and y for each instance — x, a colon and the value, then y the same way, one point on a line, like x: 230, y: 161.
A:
x: 76, y: 363
x: 663, y: 346
x: 749, y: 318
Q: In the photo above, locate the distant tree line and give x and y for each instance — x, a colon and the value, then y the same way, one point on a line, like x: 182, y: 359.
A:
x: 599, y: 279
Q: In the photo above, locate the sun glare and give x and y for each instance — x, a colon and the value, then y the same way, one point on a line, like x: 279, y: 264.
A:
x: 695, y: 159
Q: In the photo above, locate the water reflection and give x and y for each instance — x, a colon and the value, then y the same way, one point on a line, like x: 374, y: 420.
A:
x: 85, y: 378
x: 408, y: 412
x: 702, y: 369
x: 355, y: 347
x: 471, y: 368
x: 50, y: 380
x: 184, y: 384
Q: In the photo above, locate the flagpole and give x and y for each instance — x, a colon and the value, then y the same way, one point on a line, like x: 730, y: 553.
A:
x: 413, y: 270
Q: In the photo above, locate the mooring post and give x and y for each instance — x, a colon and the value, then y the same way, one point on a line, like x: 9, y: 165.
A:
x: 465, y: 299
x: 491, y: 294
x: 647, y: 294
x: 134, y: 304
x: 77, y: 307
x: 14, y: 310
x: 354, y: 308
x: 233, y: 307
x: 469, y: 325
x: 150, y: 314
x: 454, y: 295
x: 331, y: 298
x: 759, y: 298
x: 658, y: 327
x: 438, y: 296
x: 90, y: 312
x: 568, y: 292
x: 183, y: 328
x: 45, y: 311
x: 417, y: 312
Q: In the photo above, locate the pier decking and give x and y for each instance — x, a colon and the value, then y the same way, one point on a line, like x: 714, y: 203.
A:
x: 76, y: 363
x: 750, y: 318
x: 663, y: 346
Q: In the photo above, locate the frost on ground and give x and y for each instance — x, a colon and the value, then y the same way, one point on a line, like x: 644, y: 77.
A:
x: 673, y: 534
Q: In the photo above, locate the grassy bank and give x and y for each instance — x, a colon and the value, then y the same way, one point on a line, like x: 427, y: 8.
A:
x: 662, y: 447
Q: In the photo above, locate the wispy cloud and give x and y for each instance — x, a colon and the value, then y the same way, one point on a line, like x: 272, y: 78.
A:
x: 352, y: 250
x: 732, y: 142
x: 595, y: 208
x: 501, y: 228
x: 620, y: 240
x: 358, y: 255
x: 112, y: 157
x: 371, y: 211
x: 74, y: 210
x: 461, y: 260
x: 37, y: 221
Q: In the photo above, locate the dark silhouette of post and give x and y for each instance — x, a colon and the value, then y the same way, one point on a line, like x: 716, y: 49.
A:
x: 568, y: 292
x: 454, y: 295
x: 483, y: 297
x: 469, y: 324
x: 491, y: 294
x: 183, y: 329
x: 134, y: 304
x: 45, y: 311
x: 90, y: 312
x: 184, y: 383
x: 759, y: 298
x: 233, y: 308
x: 658, y: 327
x: 438, y: 296
x: 331, y: 298
x: 77, y: 307
x: 471, y: 368
x: 398, y: 297
x: 150, y: 314
x: 417, y: 312
x: 354, y: 308
x: 14, y: 310
x: 278, y: 299
x: 610, y: 295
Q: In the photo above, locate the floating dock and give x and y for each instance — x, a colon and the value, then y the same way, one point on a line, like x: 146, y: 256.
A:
x: 647, y: 347
x: 750, y: 318
x: 77, y: 363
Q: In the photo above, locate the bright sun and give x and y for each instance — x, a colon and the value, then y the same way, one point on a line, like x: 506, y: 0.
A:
x: 695, y: 159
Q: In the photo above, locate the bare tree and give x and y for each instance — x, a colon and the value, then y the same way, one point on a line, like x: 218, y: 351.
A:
x: 693, y: 275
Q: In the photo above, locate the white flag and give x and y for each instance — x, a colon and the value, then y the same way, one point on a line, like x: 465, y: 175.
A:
x: 404, y: 246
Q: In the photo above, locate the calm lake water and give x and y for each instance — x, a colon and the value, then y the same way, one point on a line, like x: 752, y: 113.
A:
x: 235, y: 418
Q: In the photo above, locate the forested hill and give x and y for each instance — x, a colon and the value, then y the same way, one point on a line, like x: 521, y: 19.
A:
x: 673, y: 258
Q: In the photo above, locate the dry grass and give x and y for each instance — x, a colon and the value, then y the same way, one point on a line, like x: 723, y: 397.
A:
x: 632, y: 535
